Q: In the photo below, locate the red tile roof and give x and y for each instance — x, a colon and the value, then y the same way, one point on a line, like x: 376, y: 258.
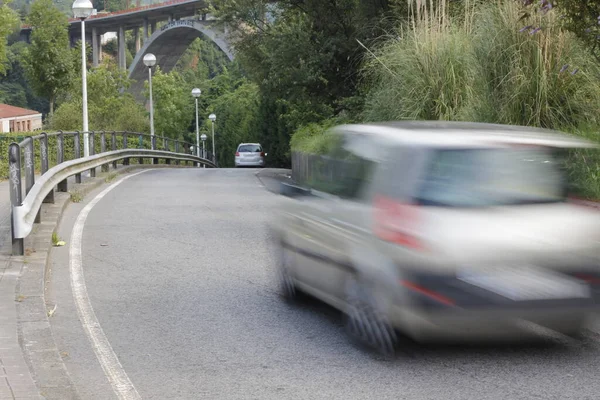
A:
x: 8, y: 111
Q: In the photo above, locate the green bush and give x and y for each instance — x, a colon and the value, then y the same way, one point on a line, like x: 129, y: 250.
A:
x: 311, y: 138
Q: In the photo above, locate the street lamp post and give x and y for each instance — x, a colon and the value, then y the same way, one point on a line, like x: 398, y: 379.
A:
x: 213, y: 118
x: 150, y: 61
x: 203, y: 137
x: 196, y: 93
x: 82, y: 9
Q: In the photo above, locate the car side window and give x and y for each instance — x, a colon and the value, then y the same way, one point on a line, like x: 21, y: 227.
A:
x: 340, y: 172
x: 396, y: 176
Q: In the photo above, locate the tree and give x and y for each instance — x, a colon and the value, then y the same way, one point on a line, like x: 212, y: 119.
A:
x: 304, y: 56
x: 237, y: 121
x: 581, y: 17
x: 8, y: 23
x: 173, y: 105
x: 110, y: 107
x: 48, y: 60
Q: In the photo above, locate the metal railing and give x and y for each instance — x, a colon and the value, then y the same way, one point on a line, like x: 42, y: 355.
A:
x: 126, y: 11
x: 106, y: 152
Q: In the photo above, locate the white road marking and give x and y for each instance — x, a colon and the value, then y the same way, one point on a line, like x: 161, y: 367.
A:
x: 107, y: 358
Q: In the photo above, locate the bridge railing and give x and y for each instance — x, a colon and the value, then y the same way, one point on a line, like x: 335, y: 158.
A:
x: 125, y: 11
x: 105, y: 150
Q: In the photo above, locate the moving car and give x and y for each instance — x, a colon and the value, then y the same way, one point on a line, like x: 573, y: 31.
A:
x: 250, y: 155
x: 442, y: 231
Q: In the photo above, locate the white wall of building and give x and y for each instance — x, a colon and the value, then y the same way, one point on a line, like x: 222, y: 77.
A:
x: 35, y: 124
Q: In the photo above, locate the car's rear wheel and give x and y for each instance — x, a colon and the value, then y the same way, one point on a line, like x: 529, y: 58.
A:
x: 287, y: 285
x: 366, y: 323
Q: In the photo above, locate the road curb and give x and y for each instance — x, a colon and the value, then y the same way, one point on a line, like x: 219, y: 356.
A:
x: 34, y: 331
x: 281, y: 175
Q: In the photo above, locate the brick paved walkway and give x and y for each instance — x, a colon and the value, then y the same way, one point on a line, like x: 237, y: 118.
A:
x: 15, y: 379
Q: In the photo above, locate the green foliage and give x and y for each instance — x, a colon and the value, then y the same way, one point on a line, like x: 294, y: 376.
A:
x: 237, y: 113
x: 111, y: 177
x: 55, y: 238
x: 487, y: 71
x: 7, y: 138
x: 9, y: 21
x: 542, y: 79
x: 580, y: 17
x: 312, y: 138
x: 111, y: 47
x: 48, y: 61
x: 76, y: 196
x: 109, y: 107
x: 201, y: 61
x: 173, y: 105
x: 474, y: 62
x: 303, y: 56
x: 583, y: 166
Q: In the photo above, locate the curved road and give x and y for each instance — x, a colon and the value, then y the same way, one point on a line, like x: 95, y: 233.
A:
x: 179, y: 272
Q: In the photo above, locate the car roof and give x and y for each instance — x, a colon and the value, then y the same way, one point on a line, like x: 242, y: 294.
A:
x: 252, y: 144
x: 461, y: 134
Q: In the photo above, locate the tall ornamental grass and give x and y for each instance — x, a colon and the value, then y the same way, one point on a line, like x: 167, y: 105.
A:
x: 483, y: 64
x: 490, y: 62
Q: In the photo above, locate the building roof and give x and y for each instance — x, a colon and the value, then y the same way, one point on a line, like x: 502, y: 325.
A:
x: 8, y: 111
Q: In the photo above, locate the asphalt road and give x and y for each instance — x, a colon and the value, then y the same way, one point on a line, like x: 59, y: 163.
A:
x: 179, y: 271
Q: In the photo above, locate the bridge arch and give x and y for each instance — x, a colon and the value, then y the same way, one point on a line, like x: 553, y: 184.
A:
x: 168, y: 43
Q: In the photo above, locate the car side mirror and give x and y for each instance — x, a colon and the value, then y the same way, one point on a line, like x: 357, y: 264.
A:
x: 289, y: 190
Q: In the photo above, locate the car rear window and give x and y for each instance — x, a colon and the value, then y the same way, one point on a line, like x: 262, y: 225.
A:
x: 492, y: 177
x: 250, y: 148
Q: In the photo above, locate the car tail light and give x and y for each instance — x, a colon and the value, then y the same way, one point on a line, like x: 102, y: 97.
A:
x: 591, y: 279
x: 396, y: 222
x: 237, y: 153
x: 262, y: 153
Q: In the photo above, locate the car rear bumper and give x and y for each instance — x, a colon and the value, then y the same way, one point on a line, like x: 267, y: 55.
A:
x: 254, y: 163
x: 446, y: 308
x: 488, y: 325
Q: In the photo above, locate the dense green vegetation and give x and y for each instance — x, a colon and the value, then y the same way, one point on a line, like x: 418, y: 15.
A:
x: 48, y: 61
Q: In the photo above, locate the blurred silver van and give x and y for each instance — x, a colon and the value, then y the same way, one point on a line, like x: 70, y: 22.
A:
x: 442, y: 231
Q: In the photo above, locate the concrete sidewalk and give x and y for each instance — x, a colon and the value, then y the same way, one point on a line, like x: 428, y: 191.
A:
x: 23, y: 319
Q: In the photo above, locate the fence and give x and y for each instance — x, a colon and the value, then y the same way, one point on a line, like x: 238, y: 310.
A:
x: 325, y: 173
x: 105, y: 150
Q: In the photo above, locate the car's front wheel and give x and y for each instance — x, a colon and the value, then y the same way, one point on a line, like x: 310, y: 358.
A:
x: 287, y: 285
x: 365, y: 322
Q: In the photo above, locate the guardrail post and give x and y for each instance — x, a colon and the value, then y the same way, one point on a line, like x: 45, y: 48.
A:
x: 141, y: 146
x: 29, y: 166
x: 114, y: 145
x: 126, y: 160
x: 177, y: 151
x: 30, y: 171
x: 44, y: 164
x: 60, y: 158
x: 154, y: 160
x: 92, y: 152
x: 104, y: 167
x: 77, y: 141
x: 16, y: 196
x: 166, y: 145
